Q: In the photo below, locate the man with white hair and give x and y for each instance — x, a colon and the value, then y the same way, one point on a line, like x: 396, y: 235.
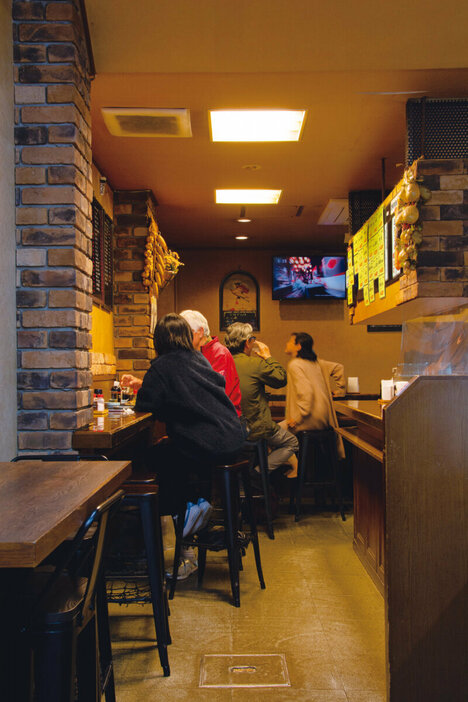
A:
x: 215, y: 353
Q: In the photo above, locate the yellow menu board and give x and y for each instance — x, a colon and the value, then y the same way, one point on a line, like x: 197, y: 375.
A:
x: 376, y: 248
x: 369, y: 253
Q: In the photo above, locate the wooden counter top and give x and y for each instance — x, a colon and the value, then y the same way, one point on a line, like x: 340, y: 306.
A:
x: 367, y: 411
x: 110, y: 432
x: 368, y: 434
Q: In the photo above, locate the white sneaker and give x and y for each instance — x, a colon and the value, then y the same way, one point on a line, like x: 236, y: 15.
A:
x: 186, y: 568
x: 192, y: 516
x: 204, y: 515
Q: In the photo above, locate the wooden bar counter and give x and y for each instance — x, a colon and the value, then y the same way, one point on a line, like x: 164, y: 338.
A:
x: 367, y: 443
x: 128, y: 437
x: 411, y: 530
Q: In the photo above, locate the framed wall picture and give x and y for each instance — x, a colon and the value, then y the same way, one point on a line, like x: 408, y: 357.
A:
x: 239, y: 300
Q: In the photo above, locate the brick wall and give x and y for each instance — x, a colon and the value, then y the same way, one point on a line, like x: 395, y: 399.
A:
x: 133, y: 341
x: 443, y: 255
x: 53, y: 216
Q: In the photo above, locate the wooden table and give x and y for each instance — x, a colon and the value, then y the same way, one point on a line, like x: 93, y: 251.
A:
x: 41, y: 503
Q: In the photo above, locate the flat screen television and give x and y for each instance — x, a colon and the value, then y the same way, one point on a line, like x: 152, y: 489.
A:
x: 309, y: 277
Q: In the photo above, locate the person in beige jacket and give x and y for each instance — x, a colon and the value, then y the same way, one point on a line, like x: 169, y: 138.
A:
x: 309, y: 399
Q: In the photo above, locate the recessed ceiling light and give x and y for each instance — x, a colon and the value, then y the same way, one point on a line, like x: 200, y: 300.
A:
x: 241, y: 238
x: 256, y: 125
x: 243, y: 220
x: 248, y: 197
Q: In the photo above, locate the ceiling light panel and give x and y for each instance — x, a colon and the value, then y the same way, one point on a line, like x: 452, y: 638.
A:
x: 256, y: 125
x: 248, y: 197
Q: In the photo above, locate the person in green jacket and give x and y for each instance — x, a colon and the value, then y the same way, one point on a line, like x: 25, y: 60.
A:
x: 256, y: 369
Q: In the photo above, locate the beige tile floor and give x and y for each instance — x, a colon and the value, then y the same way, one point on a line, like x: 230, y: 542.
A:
x: 319, y: 608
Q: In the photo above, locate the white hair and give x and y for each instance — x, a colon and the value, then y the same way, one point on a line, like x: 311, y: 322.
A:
x: 196, y: 321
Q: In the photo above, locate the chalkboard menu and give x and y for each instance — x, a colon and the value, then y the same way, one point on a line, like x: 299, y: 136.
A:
x: 103, y: 266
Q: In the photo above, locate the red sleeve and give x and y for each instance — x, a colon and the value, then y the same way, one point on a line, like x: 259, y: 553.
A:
x: 222, y: 362
x: 232, y: 385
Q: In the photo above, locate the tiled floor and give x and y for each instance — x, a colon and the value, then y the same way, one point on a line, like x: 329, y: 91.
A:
x: 319, y: 608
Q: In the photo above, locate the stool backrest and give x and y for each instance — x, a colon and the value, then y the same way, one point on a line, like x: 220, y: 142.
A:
x: 97, y: 520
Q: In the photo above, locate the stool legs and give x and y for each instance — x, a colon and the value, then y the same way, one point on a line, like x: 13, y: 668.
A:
x: 54, y: 665
x: 310, y: 443
x: 253, y: 525
x: 152, y: 535
x: 301, y: 474
x: 179, y: 530
x: 262, y: 453
x: 231, y: 520
x: 105, y: 648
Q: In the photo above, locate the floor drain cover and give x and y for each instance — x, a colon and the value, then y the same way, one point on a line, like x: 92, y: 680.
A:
x: 248, y: 670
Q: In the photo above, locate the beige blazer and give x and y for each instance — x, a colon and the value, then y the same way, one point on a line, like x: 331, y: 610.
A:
x: 309, y: 399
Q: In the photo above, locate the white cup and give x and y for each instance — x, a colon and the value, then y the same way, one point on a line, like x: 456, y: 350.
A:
x: 353, y: 384
x: 386, y: 389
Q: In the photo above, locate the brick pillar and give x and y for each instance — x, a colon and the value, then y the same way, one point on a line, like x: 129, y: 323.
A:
x: 53, y: 215
x: 443, y: 255
x: 133, y: 341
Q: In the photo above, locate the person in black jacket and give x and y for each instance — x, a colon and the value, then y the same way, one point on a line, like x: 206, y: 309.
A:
x: 181, y: 389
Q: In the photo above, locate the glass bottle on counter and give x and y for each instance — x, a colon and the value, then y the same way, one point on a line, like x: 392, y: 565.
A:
x: 116, y: 392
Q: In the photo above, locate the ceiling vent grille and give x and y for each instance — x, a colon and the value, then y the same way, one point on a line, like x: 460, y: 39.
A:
x: 335, y: 212
x: 147, y: 122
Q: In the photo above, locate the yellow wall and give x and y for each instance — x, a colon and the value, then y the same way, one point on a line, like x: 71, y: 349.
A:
x: 370, y: 357
x: 102, y: 331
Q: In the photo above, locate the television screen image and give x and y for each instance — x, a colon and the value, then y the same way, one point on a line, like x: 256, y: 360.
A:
x: 309, y: 277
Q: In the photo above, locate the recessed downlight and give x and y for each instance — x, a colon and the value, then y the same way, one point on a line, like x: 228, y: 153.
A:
x: 243, y: 220
x: 241, y: 238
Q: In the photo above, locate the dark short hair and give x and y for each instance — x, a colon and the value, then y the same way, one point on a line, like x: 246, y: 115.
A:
x: 172, y: 333
x: 306, y: 342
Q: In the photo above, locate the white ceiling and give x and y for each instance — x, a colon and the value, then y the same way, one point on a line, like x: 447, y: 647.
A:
x: 335, y: 59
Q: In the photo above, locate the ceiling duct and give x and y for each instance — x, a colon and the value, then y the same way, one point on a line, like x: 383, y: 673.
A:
x: 147, y: 122
x: 335, y: 212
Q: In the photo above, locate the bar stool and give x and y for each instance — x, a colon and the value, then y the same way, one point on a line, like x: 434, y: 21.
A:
x: 142, y: 493
x: 258, y: 455
x: 230, y: 475
x: 315, y: 447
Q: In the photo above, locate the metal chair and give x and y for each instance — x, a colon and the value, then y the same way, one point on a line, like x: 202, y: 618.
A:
x: 67, y: 623
x: 317, y: 449
x: 142, y: 493
x: 230, y: 475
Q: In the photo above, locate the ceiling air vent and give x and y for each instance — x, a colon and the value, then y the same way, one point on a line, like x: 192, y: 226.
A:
x: 147, y: 122
x: 336, y: 212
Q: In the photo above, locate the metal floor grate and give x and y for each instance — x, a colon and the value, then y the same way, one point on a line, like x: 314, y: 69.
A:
x: 228, y: 670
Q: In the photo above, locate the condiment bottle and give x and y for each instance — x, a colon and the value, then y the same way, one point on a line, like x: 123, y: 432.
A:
x: 101, y: 407
x: 116, y: 392
x: 96, y: 392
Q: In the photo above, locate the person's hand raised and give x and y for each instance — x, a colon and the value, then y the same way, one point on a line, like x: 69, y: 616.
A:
x: 261, y: 349
x: 130, y: 381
